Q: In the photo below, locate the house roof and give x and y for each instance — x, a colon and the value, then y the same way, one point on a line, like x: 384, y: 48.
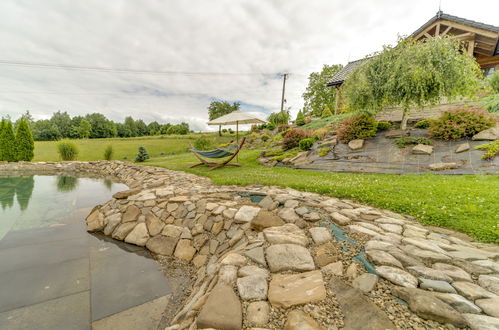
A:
x: 441, y: 15
x: 340, y: 77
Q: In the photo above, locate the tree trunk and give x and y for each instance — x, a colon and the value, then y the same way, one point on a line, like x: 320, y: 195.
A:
x: 403, y: 125
x: 219, y: 130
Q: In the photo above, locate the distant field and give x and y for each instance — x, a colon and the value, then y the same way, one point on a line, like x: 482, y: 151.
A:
x: 126, y: 148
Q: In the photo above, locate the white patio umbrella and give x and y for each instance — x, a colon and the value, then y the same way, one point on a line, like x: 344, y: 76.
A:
x: 236, y: 118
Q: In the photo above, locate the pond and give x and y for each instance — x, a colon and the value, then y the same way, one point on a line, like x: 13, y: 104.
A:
x: 55, y: 275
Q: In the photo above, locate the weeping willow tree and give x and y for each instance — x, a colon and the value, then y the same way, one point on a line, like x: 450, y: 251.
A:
x: 413, y: 74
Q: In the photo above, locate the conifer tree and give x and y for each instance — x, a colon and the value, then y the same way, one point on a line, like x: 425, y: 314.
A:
x: 7, y: 142
x: 24, y: 142
x: 326, y: 112
x: 300, y: 118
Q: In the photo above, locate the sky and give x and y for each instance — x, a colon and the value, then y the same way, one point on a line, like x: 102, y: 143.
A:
x: 190, y: 53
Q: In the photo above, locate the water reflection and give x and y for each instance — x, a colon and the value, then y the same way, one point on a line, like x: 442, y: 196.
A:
x: 10, y: 187
x: 66, y: 183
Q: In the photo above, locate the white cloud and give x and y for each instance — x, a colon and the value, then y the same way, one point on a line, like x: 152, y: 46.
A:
x: 294, y: 36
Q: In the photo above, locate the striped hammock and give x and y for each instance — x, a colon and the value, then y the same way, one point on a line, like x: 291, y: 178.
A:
x: 217, y: 153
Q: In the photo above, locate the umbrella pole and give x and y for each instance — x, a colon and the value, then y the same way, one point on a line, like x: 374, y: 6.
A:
x: 237, y: 139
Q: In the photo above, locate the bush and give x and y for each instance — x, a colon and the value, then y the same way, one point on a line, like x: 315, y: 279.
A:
x: 277, y: 118
x: 108, y: 152
x: 231, y: 131
x: 67, y: 150
x: 142, y: 155
x: 202, y: 143
x: 494, y: 81
x: 491, y: 150
x: 270, y: 126
x: 8, y: 146
x: 403, y: 141
x: 326, y: 112
x: 265, y: 137
x: 425, y: 123
x: 460, y: 123
x: 282, y: 128
x: 320, y: 134
x: 24, y: 142
x: 306, y: 144
x: 383, y: 126
x: 300, y: 119
x: 361, y: 126
x: 491, y: 103
x: 323, y: 151
x: 292, y: 138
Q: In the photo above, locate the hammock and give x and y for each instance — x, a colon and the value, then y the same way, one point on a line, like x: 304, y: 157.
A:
x: 230, y: 151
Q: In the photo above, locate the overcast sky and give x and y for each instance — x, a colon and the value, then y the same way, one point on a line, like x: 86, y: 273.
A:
x: 243, y: 45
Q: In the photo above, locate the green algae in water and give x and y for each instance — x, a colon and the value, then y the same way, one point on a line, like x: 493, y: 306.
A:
x: 361, y: 257
x: 254, y: 198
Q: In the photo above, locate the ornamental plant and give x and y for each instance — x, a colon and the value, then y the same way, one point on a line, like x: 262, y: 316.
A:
x: 108, y: 152
x: 460, y: 123
x: 7, y: 142
x: 362, y: 126
x: 67, y: 150
x: 306, y: 144
x: 292, y: 138
x: 326, y: 113
x: 300, y: 119
x: 383, y: 126
x: 142, y: 156
x: 491, y: 150
x: 24, y: 142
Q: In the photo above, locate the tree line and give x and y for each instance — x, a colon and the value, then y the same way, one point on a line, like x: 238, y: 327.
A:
x: 95, y: 125
x: 16, y: 145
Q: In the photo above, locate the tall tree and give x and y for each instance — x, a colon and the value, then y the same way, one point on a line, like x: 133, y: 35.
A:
x: 413, y: 74
x: 101, y: 126
x: 63, y: 122
x: 25, y: 145
x: 7, y: 142
x: 218, y: 109
x: 318, y: 95
x: 84, y: 129
x: 300, y: 119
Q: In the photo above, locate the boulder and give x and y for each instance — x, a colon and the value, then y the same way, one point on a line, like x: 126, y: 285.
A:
x: 252, y: 270
x: 490, y: 134
x: 334, y: 268
x: 246, y: 213
x: 256, y: 255
x: 172, y: 231
x: 340, y: 219
x: 126, y: 193
x: 266, y: 219
x: 454, y: 272
x: 222, y: 310
x: 131, y: 214
x: 320, y: 235
x: 288, y: 233
x: 462, y: 147
x: 356, y: 144
x: 397, y: 276
x: 422, y: 149
x: 459, y: 303
x: 379, y: 257
x: 437, y: 286
x: 112, y: 222
x: 299, y: 320
x: 365, y: 282
x: 482, y: 322
x: 429, y: 273
x: 472, y: 291
x: 154, y: 225
x: 252, y: 287
x: 162, y: 245
x: 139, y: 235
x: 184, y: 250
x: 443, y: 166
x: 288, y: 215
x: 95, y: 221
x: 257, y: 313
x: 296, y: 289
x: 281, y: 257
x: 490, y: 283
x: 234, y: 259
x: 396, y: 133
x: 489, y: 306
x: 123, y: 230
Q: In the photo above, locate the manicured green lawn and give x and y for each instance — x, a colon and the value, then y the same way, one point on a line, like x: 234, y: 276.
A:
x: 468, y: 203
x: 93, y: 149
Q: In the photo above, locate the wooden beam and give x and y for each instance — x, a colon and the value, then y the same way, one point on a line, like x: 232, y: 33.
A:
x: 465, y: 36
x: 473, y: 29
x: 471, y: 47
x: 483, y: 52
x: 437, y: 30
x: 446, y: 30
x: 488, y: 61
x: 427, y: 35
x: 425, y: 32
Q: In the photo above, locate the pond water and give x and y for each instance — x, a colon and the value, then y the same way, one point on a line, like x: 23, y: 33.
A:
x: 55, y: 275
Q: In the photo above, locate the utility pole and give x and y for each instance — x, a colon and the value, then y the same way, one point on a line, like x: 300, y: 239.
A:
x: 283, y: 89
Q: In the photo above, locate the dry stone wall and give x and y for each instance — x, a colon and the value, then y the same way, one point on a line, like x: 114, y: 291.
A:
x: 276, y: 258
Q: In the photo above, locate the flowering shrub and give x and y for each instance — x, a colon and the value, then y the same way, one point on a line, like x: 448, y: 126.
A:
x: 306, y: 144
x: 292, y: 138
x: 361, y: 126
x: 282, y: 128
x: 460, y: 123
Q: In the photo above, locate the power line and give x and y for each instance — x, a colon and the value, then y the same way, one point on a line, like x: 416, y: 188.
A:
x: 125, y: 70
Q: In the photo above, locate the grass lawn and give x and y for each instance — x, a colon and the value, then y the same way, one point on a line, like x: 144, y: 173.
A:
x: 93, y: 149
x: 468, y: 203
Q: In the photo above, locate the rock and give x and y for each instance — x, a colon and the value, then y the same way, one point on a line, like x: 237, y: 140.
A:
x: 430, y: 256
x: 296, y: 289
x: 229, y: 213
x: 352, y: 271
x: 356, y: 144
x: 443, y: 166
x: 334, y: 268
x: 489, y: 306
x: 256, y: 255
x: 429, y: 273
x: 422, y: 149
x: 95, y: 221
x: 397, y: 229
x: 472, y: 291
x: 490, y: 134
x: 138, y: 235
x: 252, y: 270
x: 257, y: 313
x: 252, y: 287
x: 246, y: 213
x: 424, y: 245
x: 126, y: 193
x: 312, y: 216
x: 459, y: 303
x: 429, y: 307
x: 184, y: 250
x: 172, y: 231
x: 123, y: 230
x: 462, y: 147
x: 378, y: 245
x: 340, y: 219
x: 359, y: 312
x: 438, y: 286
x: 487, y: 264
x: 131, y: 214
x: 281, y: 257
x: 112, y: 222
x: 299, y: 320
x: 320, y: 235
x: 267, y: 203
x: 379, y: 257
x: 228, y: 274
x: 162, y: 245
x: 234, y: 259
x: 365, y: 282
x: 288, y: 215
x: 456, y: 273
x: 482, y: 322
x: 397, y: 276
x: 325, y: 254
x: 396, y: 133
x: 154, y: 225
x: 200, y: 260
x: 288, y: 233
x: 266, y: 219
x: 222, y: 310
x: 363, y: 230
x: 405, y: 259
x: 164, y: 192
x: 469, y: 253
x: 178, y: 199
x: 291, y: 204
x: 490, y: 283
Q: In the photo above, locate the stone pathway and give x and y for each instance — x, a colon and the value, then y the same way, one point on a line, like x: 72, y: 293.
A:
x: 276, y: 258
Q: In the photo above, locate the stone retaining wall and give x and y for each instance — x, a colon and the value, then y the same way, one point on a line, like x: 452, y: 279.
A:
x: 269, y: 257
x: 416, y: 114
